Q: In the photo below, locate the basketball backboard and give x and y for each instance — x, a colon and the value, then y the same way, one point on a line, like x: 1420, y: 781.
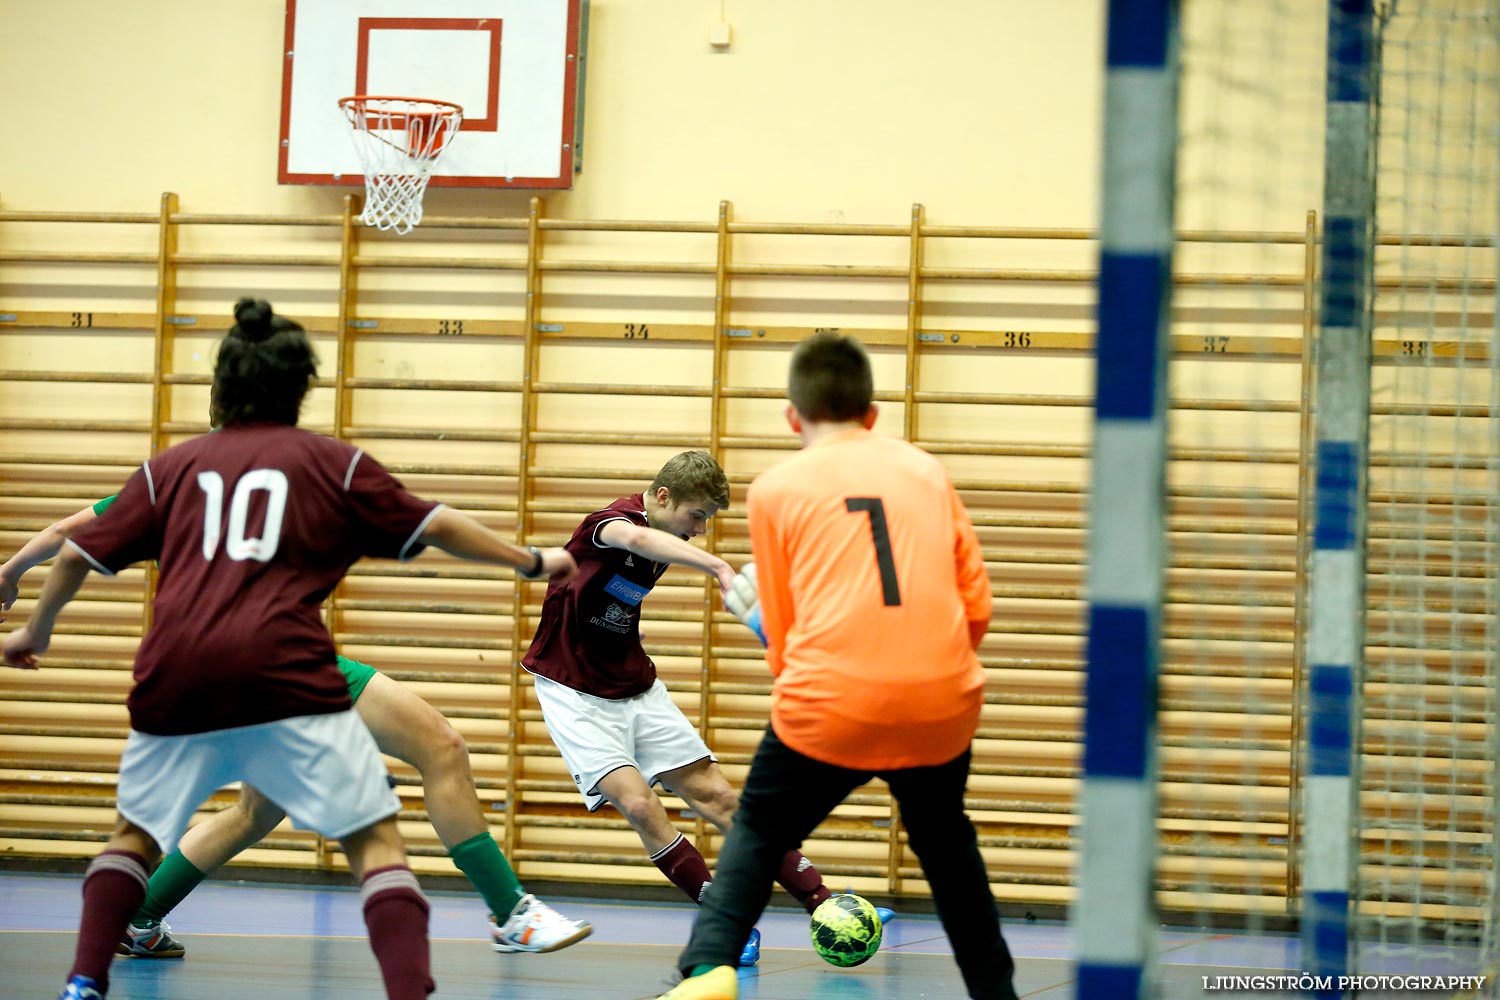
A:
x: 514, y: 66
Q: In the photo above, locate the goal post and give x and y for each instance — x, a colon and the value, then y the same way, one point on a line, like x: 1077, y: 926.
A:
x: 1114, y: 913
x: 1335, y: 637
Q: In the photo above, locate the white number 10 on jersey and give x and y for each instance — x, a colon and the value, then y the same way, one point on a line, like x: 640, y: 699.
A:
x: 237, y: 546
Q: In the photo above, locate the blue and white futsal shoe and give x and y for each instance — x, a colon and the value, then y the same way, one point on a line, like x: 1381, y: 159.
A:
x: 81, y: 988
x: 750, y: 954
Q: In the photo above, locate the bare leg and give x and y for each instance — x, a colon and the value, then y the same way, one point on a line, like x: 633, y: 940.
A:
x: 202, y: 849
x: 376, y: 846
x: 407, y: 727
x: 219, y: 838
x: 628, y: 792
x: 670, y: 851
x: 703, y: 786
x: 131, y: 838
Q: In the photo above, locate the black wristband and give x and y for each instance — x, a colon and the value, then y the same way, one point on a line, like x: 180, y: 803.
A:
x: 536, y: 567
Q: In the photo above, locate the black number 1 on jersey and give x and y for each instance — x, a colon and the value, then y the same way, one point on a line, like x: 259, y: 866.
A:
x: 873, y: 506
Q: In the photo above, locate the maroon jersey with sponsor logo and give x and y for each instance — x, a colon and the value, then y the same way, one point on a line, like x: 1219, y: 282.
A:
x: 252, y: 527
x: 589, y: 636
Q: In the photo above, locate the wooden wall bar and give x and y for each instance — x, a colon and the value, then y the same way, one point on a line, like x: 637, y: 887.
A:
x: 529, y: 370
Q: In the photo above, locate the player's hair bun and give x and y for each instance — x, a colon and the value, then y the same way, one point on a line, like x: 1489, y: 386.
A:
x: 263, y: 368
x: 252, y: 319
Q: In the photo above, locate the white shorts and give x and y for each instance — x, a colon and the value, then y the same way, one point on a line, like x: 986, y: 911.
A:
x: 322, y: 770
x: 600, y: 735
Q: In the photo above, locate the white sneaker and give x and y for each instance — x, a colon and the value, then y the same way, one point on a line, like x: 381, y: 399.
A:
x: 155, y: 940
x: 534, y: 926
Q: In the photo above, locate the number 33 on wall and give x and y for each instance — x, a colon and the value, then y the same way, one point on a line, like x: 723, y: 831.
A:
x: 237, y: 546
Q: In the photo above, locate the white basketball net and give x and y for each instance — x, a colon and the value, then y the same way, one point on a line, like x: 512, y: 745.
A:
x: 398, y: 140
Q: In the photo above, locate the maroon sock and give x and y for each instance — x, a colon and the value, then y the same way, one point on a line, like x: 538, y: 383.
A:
x: 801, y: 879
x: 681, y: 862
x: 113, y: 889
x: 396, y: 915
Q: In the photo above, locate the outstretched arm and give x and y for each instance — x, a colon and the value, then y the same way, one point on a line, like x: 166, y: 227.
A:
x: 26, y: 643
x: 460, y: 535
x: 43, y: 546
x: 661, y: 546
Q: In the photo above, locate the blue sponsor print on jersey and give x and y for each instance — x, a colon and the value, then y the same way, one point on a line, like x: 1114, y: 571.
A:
x: 626, y: 591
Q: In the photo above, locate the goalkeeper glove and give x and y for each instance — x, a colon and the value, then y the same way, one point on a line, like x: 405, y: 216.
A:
x: 744, y: 601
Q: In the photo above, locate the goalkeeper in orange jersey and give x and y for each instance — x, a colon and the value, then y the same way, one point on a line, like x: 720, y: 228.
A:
x: 872, y: 599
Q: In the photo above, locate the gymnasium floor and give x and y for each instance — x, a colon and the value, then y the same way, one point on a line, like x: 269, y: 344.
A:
x: 259, y: 942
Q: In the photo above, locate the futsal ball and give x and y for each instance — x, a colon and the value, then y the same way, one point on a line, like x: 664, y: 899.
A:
x: 845, y: 930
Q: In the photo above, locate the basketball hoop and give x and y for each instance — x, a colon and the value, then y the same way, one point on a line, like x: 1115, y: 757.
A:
x: 398, y: 140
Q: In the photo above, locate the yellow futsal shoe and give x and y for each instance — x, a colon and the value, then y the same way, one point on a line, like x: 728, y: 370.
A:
x: 716, y: 984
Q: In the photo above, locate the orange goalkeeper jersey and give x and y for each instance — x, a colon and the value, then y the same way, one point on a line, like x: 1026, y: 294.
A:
x: 870, y: 574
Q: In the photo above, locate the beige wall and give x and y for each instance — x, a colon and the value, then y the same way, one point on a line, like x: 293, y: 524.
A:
x: 986, y: 111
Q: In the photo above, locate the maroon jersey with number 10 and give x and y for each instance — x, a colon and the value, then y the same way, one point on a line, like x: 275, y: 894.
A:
x: 253, y: 526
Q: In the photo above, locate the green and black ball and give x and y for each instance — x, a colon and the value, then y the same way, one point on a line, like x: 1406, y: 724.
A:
x: 846, y: 930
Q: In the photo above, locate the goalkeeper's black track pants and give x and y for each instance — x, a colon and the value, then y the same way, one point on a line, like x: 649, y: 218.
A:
x: 788, y: 794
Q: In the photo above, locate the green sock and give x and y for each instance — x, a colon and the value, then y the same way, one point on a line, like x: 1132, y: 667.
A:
x: 701, y: 970
x: 480, y: 859
x: 170, y: 884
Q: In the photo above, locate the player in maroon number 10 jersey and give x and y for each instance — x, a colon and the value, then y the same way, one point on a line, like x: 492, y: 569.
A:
x: 252, y: 527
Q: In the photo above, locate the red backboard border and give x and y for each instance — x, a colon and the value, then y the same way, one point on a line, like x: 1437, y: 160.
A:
x: 492, y: 84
